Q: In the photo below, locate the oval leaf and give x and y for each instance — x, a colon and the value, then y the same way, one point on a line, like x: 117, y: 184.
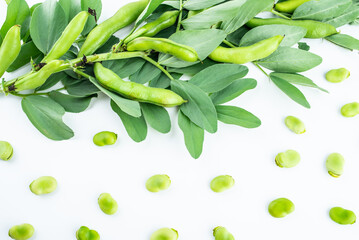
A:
x: 200, y: 4
x: 345, y: 41
x: 157, y: 117
x: 237, y: 116
x: 70, y: 103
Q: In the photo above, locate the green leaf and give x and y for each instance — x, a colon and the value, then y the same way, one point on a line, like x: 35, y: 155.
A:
x: 46, y: 115
x: 293, y: 34
x: 246, y: 12
x: 125, y: 67
x: 136, y: 127
x: 47, y: 24
x: 128, y: 106
x: 234, y: 90
x: 348, y: 16
x: 28, y: 51
x: 199, y: 108
x: 236, y: 36
x: 71, y: 8
x: 162, y: 81
x: 17, y: 12
x: 203, y: 41
x: 200, y: 4
x: 237, y: 116
x: 70, y: 103
x: 290, y: 60
x: 152, y: 6
x: 345, y: 41
x: 194, y: 69
x: 222, y: 12
x: 219, y: 76
x: 107, y: 47
x: 80, y: 88
x: 193, y: 135
x: 304, y: 46
x: 53, y: 80
x: 321, y: 10
x: 147, y: 73
x: 296, y: 79
x: 294, y: 93
x: 157, y: 117
x: 91, y: 23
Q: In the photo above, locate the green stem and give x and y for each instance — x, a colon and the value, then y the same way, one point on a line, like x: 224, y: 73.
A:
x: 150, y: 60
x: 30, y: 94
x: 81, y: 73
x: 229, y: 44
x: 179, y: 17
x: 259, y: 67
x: 280, y: 14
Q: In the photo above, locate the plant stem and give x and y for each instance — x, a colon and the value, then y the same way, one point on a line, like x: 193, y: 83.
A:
x: 280, y: 14
x: 229, y: 44
x: 259, y: 67
x: 150, y: 60
x: 81, y: 73
x: 29, y: 94
x: 179, y: 17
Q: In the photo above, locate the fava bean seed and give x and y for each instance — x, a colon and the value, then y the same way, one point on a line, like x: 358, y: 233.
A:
x: 295, y: 124
x: 280, y: 207
x: 222, y: 183
x: 335, y: 164
x: 337, y: 75
x: 287, y: 159
x: 105, y: 138
x: 43, y: 185
x: 350, y: 109
x: 342, y: 216
x: 22, y: 231
x: 158, y: 183
x: 6, y: 151
x: 84, y: 233
x: 165, y: 234
x: 221, y: 233
x: 107, y: 204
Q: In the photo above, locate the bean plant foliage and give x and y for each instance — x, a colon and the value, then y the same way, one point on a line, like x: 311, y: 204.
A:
x: 206, y: 86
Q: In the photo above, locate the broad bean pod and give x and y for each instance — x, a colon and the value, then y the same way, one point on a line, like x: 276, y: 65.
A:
x: 36, y: 79
x: 342, y: 216
x: 166, y: 20
x: 102, y: 32
x: 289, y: 6
x: 163, y: 45
x: 6, y: 151
x: 68, y: 37
x: 84, y: 233
x: 158, y: 182
x: 43, y: 185
x: 337, y: 75
x: 165, y: 234
x: 107, y: 204
x: 350, y: 109
x: 315, y: 29
x: 280, y: 207
x: 10, y: 48
x: 241, y: 55
x: 136, y: 91
x: 22, y: 231
x: 221, y: 233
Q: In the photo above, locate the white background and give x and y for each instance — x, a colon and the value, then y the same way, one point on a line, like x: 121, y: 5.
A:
x: 84, y: 171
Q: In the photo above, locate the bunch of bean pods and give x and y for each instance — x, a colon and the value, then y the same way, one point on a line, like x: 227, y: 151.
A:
x: 186, y: 54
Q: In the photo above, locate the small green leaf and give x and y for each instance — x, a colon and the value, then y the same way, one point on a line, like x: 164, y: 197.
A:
x: 193, y: 135
x: 345, y: 41
x: 219, y: 76
x: 237, y: 116
x: 348, y: 16
x: 91, y: 23
x: 152, y: 6
x: 80, y: 88
x: 70, y: 103
x: 291, y: 91
x: 53, y: 80
x: 157, y: 117
x: 125, y: 67
x: 194, y: 69
x: 135, y: 127
x: 71, y: 8
x: 234, y: 90
x: 46, y: 115
x: 200, y: 4
x: 146, y: 73
x: 304, y: 46
x: 162, y: 81
x: 199, y: 108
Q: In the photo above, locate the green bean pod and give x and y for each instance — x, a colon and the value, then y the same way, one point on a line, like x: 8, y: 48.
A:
x: 289, y: 6
x: 136, y: 91
x: 240, y: 55
x: 163, y: 45
x: 10, y: 48
x: 166, y: 20
x: 36, y: 79
x: 68, y: 37
x: 122, y: 18
x: 315, y: 29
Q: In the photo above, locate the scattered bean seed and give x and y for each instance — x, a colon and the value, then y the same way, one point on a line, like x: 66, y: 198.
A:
x: 281, y: 207
x: 287, y: 159
x: 221, y: 233
x: 43, y: 185
x: 350, y: 109
x: 107, y: 204
x: 84, y: 233
x: 337, y: 75
x: 335, y: 164
x: 105, y: 138
x: 165, y: 234
x: 222, y: 183
x: 342, y: 216
x: 22, y: 231
x: 295, y: 124
x: 158, y: 183
x: 6, y: 150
